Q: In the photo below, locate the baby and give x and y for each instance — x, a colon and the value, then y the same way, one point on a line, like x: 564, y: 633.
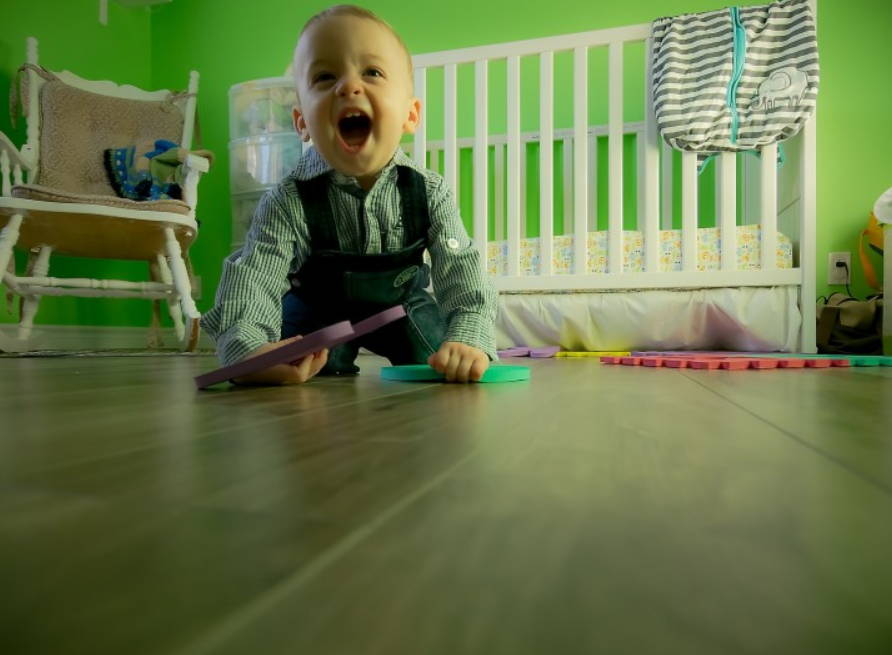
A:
x: 343, y: 235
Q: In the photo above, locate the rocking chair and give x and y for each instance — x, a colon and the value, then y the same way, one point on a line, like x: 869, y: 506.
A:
x: 69, y: 206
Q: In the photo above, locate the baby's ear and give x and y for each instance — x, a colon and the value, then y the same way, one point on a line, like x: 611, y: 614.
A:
x: 300, y: 124
x: 414, y: 118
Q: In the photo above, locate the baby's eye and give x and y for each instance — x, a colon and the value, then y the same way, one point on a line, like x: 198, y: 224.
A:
x: 322, y: 77
x: 374, y: 72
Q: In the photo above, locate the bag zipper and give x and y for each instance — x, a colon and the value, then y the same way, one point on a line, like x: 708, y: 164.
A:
x: 739, y: 58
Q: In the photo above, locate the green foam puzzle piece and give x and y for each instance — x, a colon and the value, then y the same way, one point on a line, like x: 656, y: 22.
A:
x: 424, y: 373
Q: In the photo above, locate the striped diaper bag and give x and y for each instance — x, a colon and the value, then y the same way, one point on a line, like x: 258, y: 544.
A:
x: 734, y: 79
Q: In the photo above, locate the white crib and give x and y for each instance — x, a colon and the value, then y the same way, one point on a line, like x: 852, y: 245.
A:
x: 461, y: 137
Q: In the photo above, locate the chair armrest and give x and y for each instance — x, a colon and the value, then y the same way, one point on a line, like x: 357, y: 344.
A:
x: 193, y: 168
x: 16, y: 157
x: 12, y: 162
x: 197, y: 163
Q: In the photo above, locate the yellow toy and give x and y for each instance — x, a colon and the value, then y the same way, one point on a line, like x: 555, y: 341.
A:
x: 882, y: 211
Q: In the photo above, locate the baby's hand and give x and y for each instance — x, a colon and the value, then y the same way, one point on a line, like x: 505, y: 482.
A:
x: 293, y: 373
x: 459, y: 362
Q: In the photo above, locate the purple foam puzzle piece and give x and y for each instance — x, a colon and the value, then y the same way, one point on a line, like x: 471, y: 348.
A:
x: 289, y: 352
x: 372, y: 323
x: 327, y: 337
x: 517, y: 351
x: 547, y: 351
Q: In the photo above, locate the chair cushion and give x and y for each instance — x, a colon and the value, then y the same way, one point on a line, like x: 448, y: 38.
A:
x: 46, y: 194
x: 77, y: 126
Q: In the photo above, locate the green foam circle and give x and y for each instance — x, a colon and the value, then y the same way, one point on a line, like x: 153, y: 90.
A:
x: 424, y: 373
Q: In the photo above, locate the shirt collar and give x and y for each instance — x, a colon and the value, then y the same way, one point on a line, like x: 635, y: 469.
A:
x: 312, y: 165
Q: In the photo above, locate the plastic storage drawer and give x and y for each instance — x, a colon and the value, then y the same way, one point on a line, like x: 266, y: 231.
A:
x: 259, y: 162
x: 261, y: 107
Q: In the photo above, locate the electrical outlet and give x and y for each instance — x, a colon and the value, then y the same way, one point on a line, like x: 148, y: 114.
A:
x: 839, y: 268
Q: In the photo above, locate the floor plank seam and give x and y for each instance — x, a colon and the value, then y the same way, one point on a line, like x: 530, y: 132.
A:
x: 203, y: 435
x: 815, y: 449
x: 229, y: 626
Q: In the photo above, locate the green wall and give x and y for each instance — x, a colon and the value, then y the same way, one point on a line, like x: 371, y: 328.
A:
x: 230, y: 41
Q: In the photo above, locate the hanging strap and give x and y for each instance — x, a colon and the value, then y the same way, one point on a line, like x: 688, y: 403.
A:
x: 19, y: 87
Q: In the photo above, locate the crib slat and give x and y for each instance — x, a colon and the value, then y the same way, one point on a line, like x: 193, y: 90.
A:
x: 546, y: 162
x: 580, y: 158
x: 421, y: 132
x: 768, y: 205
x: 726, y: 180
x: 689, y: 211
x: 593, y: 187
x: 807, y: 235
x: 651, y: 158
x: 499, y: 190
x: 666, y: 192
x: 513, y: 165
x: 450, y: 134
x: 523, y: 186
x: 639, y: 176
x: 481, y: 160
x: 567, y: 177
x: 435, y: 160
x: 615, y: 150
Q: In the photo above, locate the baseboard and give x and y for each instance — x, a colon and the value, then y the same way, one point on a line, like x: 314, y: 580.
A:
x: 78, y: 337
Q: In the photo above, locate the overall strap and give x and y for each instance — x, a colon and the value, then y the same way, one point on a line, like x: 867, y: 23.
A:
x: 320, y: 221
x: 317, y: 213
x: 413, y: 195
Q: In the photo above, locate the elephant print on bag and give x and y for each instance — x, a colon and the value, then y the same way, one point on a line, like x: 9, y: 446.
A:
x: 783, y: 87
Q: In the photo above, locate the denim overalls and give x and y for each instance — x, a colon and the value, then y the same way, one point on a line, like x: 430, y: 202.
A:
x: 333, y: 285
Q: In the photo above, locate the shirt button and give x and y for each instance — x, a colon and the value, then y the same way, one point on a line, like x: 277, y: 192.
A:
x: 452, y: 243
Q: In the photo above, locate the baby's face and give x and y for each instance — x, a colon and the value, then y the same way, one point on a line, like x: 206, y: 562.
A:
x: 354, y: 93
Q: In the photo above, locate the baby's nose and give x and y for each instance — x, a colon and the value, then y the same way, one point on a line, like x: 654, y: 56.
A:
x: 349, y: 86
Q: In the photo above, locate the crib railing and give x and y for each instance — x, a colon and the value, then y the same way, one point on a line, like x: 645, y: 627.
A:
x: 654, y: 171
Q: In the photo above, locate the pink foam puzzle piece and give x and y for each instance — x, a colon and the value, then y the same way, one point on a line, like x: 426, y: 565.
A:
x: 763, y: 364
x: 630, y: 361
x: 289, y: 352
x: 609, y: 359
x: 791, y: 362
x: 841, y: 363
x: 709, y: 363
x: 652, y: 362
x: 818, y: 363
x: 734, y: 364
x: 676, y: 362
x: 547, y: 351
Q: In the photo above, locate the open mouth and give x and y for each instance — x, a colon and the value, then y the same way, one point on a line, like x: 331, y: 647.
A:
x: 354, y: 128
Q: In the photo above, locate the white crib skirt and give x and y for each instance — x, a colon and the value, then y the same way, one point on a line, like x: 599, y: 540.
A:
x: 743, y: 318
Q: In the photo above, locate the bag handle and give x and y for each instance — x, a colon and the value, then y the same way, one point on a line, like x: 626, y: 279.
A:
x: 826, y: 322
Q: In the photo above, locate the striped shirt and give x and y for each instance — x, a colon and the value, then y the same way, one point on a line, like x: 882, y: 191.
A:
x: 247, y: 311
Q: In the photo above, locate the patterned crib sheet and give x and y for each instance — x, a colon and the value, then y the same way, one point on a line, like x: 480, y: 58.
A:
x: 709, y: 253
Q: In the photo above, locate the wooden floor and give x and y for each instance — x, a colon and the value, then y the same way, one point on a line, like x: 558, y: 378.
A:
x: 592, y: 509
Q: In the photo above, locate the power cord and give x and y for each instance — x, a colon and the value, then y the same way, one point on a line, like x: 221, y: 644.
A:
x: 848, y: 275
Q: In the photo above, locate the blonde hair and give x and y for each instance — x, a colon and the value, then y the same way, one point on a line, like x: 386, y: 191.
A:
x: 358, y: 12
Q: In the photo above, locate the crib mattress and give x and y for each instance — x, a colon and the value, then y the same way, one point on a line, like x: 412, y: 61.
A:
x: 709, y: 253
x: 746, y: 318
